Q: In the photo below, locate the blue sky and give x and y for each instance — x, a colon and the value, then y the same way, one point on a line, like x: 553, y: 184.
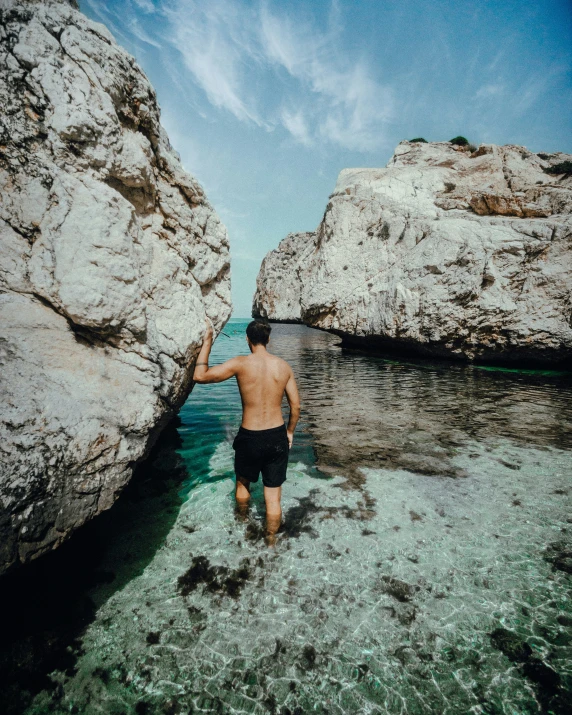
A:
x: 266, y: 100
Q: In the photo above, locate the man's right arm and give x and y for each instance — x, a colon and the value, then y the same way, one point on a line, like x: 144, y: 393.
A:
x: 294, y: 401
x: 204, y: 374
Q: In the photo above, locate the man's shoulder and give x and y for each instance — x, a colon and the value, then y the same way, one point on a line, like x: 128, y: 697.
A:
x: 282, y: 363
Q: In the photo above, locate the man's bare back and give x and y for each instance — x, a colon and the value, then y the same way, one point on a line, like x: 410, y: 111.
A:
x: 263, y: 379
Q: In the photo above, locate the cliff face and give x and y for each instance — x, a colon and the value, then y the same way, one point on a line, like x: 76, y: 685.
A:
x: 444, y: 252
x: 281, y: 278
x: 111, y: 256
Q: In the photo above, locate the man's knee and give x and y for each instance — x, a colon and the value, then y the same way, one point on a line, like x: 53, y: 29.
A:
x: 242, y: 488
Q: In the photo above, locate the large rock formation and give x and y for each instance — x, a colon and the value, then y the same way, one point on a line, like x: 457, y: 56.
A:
x: 111, y: 257
x: 444, y: 252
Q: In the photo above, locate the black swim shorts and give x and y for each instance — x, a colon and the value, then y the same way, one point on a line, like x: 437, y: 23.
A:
x: 263, y: 451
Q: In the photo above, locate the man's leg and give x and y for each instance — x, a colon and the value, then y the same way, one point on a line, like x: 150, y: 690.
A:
x: 273, y: 513
x: 242, y: 496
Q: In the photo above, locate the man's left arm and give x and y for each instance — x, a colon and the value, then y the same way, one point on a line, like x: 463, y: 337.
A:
x: 203, y: 373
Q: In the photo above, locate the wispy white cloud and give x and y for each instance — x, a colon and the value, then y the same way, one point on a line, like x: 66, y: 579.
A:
x: 538, y: 84
x: 349, y: 106
x: 213, y: 40
x: 125, y: 26
x: 295, y: 123
x: 360, y: 109
x: 496, y: 59
x: 233, y: 50
x: 145, y: 5
x: 107, y: 18
x: 489, y: 90
x: 263, y: 67
x: 134, y: 26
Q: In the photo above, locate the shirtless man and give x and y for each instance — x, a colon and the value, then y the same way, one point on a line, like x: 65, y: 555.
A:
x: 263, y: 440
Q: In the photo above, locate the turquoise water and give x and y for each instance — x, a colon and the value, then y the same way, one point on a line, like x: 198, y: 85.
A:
x: 423, y: 565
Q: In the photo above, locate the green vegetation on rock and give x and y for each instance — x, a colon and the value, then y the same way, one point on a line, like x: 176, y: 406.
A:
x: 459, y: 141
x: 564, y: 167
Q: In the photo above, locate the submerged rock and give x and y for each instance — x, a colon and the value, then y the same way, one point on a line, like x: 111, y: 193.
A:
x: 444, y: 252
x: 546, y: 680
x: 111, y: 256
x: 400, y: 590
x: 511, y: 645
x: 217, y: 579
x: 559, y: 554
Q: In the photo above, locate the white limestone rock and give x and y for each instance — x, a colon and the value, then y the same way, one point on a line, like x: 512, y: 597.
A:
x: 279, y: 282
x: 444, y: 252
x: 110, y: 259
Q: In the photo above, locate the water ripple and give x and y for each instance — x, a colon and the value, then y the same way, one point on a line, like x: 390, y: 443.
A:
x: 423, y: 565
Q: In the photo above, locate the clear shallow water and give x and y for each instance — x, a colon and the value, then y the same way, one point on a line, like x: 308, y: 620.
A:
x: 423, y: 566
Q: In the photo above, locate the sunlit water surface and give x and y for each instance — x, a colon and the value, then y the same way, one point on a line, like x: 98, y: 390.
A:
x: 423, y: 565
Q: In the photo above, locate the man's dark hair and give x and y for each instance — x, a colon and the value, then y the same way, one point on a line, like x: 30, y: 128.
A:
x: 258, y: 332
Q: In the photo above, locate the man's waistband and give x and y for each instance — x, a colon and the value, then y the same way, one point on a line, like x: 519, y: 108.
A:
x: 261, y: 432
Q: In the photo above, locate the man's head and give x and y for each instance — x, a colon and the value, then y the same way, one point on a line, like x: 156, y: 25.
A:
x: 258, y: 333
